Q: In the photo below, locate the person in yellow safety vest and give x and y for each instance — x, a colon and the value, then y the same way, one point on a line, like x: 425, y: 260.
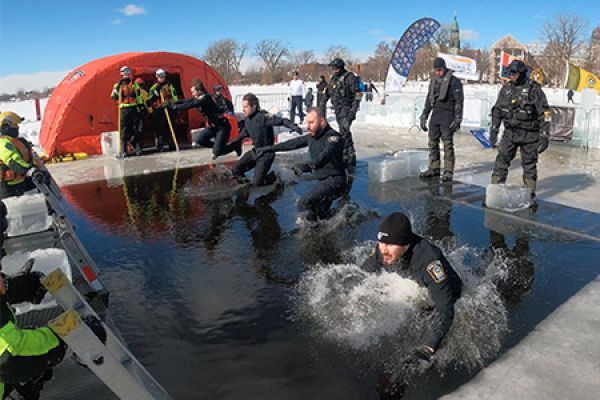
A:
x: 15, y: 158
x: 128, y: 95
x: 27, y: 356
x: 163, y: 92
x: 146, y: 110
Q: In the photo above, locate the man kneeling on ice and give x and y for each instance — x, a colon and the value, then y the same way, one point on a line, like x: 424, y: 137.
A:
x: 399, y: 250
x: 326, y: 162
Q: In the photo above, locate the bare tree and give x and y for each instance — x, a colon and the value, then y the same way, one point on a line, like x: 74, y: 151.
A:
x: 337, y: 51
x: 377, y: 65
x: 563, y: 37
x: 225, y: 56
x: 483, y: 63
x: 272, y: 52
x: 593, y: 60
x: 303, y: 57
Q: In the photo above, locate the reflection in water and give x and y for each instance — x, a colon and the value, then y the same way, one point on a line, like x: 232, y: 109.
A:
x: 517, y: 282
x: 212, y: 272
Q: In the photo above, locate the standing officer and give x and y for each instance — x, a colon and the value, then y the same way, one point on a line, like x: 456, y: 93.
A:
x: 163, y: 92
x: 399, y: 250
x: 321, y: 90
x: 127, y: 93
x: 326, y: 162
x: 523, y: 108
x: 258, y: 125
x: 446, y: 99
x: 345, y: 95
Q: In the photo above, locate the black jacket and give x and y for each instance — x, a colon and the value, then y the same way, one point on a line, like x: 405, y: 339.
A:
x: 259, y: 127
x: 325, y: 152
x: 223, y: 103
x: 343, y: 90
x: 427, y: 265
x: 446, y: 96
x: 205, y: 105
x: 521, y: 107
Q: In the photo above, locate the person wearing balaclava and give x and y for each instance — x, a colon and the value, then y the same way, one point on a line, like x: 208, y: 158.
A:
x: 445, y: 103
x: 401, y: 251
x: 523, y: 108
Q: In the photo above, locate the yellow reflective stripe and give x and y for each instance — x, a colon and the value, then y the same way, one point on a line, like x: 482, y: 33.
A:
x: 26, y: 342
x: 9, y: 152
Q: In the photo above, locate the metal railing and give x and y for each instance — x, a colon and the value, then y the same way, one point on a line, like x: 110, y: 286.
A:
x: 268, y: 101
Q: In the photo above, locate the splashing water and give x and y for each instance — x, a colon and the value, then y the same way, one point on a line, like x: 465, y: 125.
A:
x: 382, y: 317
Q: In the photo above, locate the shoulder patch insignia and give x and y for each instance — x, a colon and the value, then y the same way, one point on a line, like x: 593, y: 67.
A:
x: 436, y: 271
x: 333, y: 139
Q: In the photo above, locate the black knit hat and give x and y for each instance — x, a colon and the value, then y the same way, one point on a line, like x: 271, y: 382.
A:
x: 395, y: 229
x: 439, y: 63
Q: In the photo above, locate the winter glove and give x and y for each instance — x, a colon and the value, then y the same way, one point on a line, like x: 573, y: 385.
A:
x: 424, y: 123
x: 301, y: 169
x: 263, y: 150
x: 38, y: 176
x: 298, y: 130
x: 454, y: 126
x: 26, y: 287
x: 542, y: 144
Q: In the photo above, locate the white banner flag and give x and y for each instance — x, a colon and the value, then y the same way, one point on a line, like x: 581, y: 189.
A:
x: 463, y: 67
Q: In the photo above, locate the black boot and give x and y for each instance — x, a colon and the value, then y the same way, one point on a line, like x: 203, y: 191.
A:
x: 138, y: 149
x: 238, y: 148
x: 430, y: 173
x: 448, y: 176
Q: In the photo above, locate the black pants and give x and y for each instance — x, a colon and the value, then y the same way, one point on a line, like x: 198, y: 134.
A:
x: 439, y: 128
x: 16, y: 190
x: 296, y: 104
x: 261, y: 167
x: 27, y: 374
x: 215, y: 137
x: 129, y: 126
x: 344, y: 124
x: 163, y: 131
x: 316, y: 203
x: 369, y: 96
x: 512, y: 140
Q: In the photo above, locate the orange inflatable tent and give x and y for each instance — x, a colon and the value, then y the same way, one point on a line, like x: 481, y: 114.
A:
x: 80, y: 107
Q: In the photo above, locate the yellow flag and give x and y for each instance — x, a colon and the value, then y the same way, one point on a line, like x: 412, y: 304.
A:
x: 579, y: 79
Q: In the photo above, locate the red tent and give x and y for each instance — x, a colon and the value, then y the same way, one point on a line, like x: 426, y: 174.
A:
x: 80, y: 107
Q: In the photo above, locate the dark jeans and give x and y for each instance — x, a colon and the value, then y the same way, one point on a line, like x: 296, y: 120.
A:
x: 316, y: 203
x: 261, y: 167
x: 296, y: 104
x: 215, y: 137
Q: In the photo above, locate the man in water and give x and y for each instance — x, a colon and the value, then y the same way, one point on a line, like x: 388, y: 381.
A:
x: 399, y: 250
x: 326, y: 163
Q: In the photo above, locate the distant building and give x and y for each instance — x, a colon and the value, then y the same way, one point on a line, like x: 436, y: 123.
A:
x: 454, y: 37
x: 510, y: 45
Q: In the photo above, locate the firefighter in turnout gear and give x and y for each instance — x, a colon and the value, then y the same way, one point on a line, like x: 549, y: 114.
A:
x: 16, y: 160
x: 523, y: 108
x: 445, y: 99
x: 163, y: 93
x: 345, y: 95
x: 129, y: 97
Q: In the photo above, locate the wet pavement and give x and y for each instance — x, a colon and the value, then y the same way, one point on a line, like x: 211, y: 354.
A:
x: 204, y: 278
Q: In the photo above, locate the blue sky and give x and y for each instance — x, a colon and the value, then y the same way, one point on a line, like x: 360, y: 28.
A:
x: 43, y: 35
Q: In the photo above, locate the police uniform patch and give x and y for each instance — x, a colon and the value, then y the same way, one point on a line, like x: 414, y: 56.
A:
x: 333, y: 139
x: 436, y: 271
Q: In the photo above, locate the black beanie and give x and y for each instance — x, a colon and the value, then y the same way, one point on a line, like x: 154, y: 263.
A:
x: 439, y: 63
x: 395, y: 229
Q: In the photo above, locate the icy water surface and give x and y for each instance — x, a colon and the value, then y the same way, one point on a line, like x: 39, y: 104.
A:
x: 221, y: 297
